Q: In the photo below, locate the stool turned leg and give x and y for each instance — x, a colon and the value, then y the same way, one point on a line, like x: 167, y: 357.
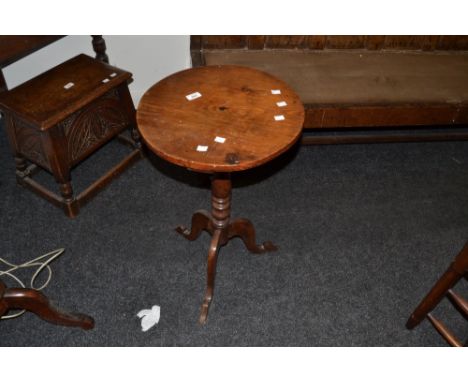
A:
x: 21, y: 163
x: 244, y: 229
x: 201, y: 220
x: 37, y: 303
x: 61, y: 171
x: 135, y: 137
x: 21, y: 166
x: 70, y: 205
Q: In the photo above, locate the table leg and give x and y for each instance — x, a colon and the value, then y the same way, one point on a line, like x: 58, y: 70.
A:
x: 222, y: 230
x: 37, y: 303
x: 244, y: 229
x: 211, y: 273
x: 220, y: 214
x: 201, y: 220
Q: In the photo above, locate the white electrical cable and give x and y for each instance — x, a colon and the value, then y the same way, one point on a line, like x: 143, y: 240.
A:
x: 32, y: 263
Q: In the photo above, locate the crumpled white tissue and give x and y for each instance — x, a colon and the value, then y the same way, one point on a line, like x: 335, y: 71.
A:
x: 149, y: 317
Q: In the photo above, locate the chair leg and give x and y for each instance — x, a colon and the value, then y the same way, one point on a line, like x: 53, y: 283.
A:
x: 444, y: 332
x: 452, y: 275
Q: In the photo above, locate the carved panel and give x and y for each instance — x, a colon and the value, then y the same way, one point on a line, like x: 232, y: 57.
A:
x: 112, y: 94
x: 29, y: 142
x: 87, y: 129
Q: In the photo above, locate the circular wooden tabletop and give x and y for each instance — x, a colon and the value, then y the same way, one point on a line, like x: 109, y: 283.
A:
x: 220, y: 118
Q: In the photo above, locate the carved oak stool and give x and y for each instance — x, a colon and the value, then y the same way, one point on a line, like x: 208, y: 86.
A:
x: 59, y: 118
x: 217, y: 120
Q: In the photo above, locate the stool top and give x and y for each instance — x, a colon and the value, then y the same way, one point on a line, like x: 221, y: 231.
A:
x: 220, y: 118
x: 53, y: 95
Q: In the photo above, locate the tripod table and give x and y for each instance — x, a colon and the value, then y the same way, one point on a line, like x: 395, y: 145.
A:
x: 217, y: 120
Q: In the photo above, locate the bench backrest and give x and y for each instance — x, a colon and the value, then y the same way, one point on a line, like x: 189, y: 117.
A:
x: 425, y: 43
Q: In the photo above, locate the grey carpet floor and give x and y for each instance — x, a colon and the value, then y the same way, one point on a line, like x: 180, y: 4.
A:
x: 363, y: 232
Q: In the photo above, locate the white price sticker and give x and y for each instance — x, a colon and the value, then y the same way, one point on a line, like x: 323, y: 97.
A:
x: 220, y: 139
x: 69, y: 85
x: 281, y: 103
x: 279, y: 117
x: 275, y: 91
x: 193, y: 96
x: 202, y: 148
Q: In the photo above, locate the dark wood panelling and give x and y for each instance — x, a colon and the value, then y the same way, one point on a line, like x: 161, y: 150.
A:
x: 348, y: 116
x: 336, y: 116
x: 198, y: 59
x: 375, y: 42
x: 13, y: 48
x: 453, y: 43
x: 380, y: 136
x: 345, y: 42
x: 196, y: 50
x: 224, y: 42
x: 316, y: 42
x: 195, y: 42
x: 404, y: 42
x: 256, y: 42
x: 286, y: 42
x: 430, y: 42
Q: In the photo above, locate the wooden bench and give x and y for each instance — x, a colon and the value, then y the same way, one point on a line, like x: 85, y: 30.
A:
x: 360, y: 88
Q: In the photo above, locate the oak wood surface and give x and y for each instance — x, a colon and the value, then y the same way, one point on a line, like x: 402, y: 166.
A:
x: 358, y: 82
x: 83, y: 71
x: 13, y: 48
x: 236, y: 103
x: 319, y: 42
x: 360, y: 78
x: 383, y: 116
x: 55, y: 126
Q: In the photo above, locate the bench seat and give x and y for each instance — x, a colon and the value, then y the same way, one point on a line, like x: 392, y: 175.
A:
x: 362, y: 88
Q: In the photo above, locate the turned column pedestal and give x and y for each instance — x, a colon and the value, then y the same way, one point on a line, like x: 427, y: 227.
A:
x: 219, y: 225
